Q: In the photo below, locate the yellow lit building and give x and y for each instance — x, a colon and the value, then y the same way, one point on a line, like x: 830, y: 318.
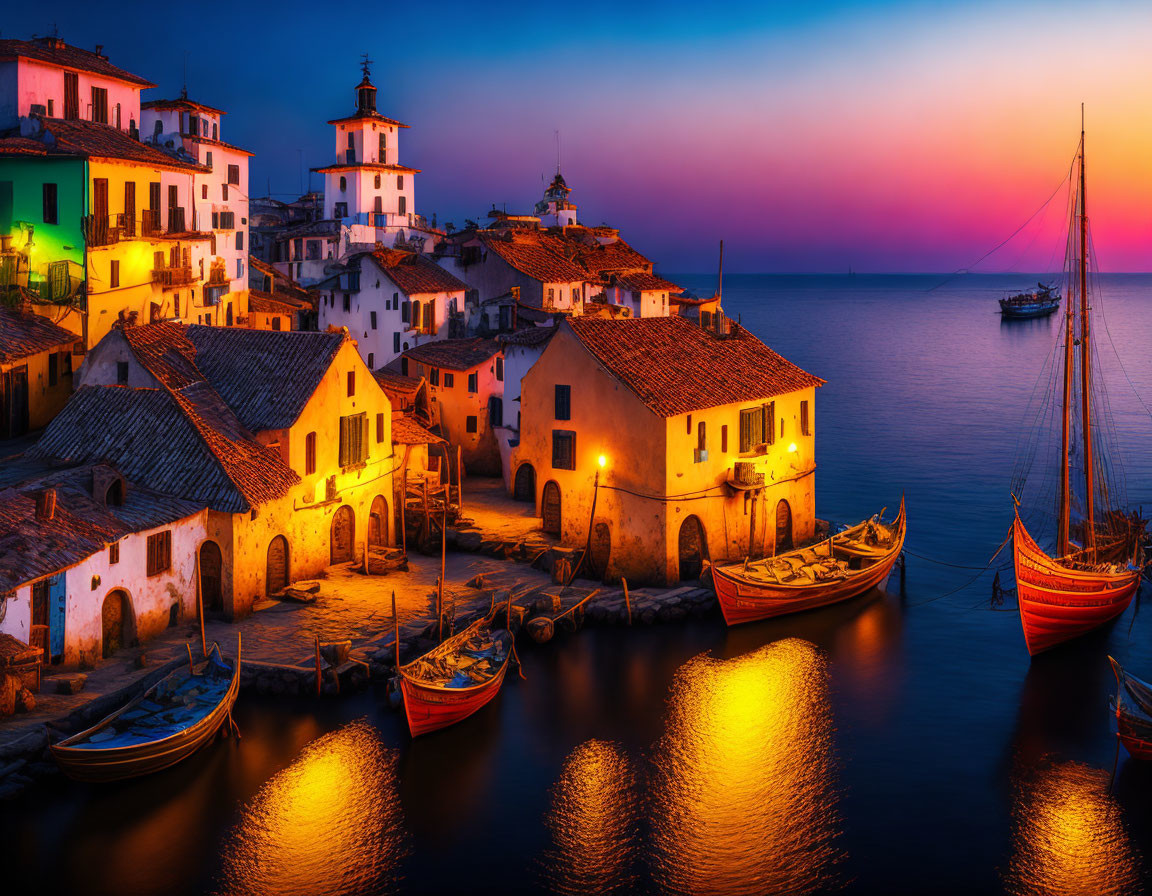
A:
x: 35, y: 371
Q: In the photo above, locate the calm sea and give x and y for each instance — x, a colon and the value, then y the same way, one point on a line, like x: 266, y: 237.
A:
x: 894, y: 744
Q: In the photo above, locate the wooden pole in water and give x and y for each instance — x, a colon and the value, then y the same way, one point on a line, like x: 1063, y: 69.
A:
x: 319, y: 687
x: 460, y: 478
x: 627, y: 599
x: 191, y: 665
x: 404, y: 515
x: 200, y: 607
x: 443, y: 562
x: 427, y: 518
x: 396, y: 625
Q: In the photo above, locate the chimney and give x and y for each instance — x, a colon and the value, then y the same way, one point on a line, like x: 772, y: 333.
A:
x: 46, y: 504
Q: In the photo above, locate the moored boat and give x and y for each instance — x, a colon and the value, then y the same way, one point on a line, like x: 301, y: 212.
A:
x: 1089, y: 583
x: 1040, y: 302
x: 161, y: 727
x: 1133, y: 708
x: 455, y: 679
x: 836, y: 569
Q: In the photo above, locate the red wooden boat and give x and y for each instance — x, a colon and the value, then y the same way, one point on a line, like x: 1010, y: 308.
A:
x: 455, y: 679
x: 844, y: 566
x: 1085, y: 585
x: 1133, y: 708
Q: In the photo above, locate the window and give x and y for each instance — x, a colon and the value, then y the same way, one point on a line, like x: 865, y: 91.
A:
x: 100, y: 105
x: 224, y: 191
x: 379, y: 428
x: 343, y: 184
x: 434, y: 376
x: 371, y: 360
x: 689, y: 430
x: 234, y: 174
x: 310, y: 454
x: 396, y: 342
x: 470, y: 424
x: 114, y: 274
x: 51, y: 109
x: 406, y: 312
x: 724, y: 439
x: 402, y: 206
x: 208, y: 159
x: 495, y: 411
x: 383, y: 147
x: 449, y: 380
x: 53, y: 368
x: 804, y: 419
x: 400, y: 183
x: 473, y: 385
x: 204, y: 191
x: 373, y: 316
x: 113, y: 553
x: 122, y: 373
x: 563, y: 402
x: 353, y: 439
x: 499, y: 370
x: 159, y: 552
x: 240, y: 239
x: 751, y: 429
x: 377, y: 184
x: 351, y: 383
x: 276, y: 323
x: 770, y: 423
x: 239, y: 267
x: 701, y: 441
x: 341, y: 210
x: 563, y: 450
x: 551, y: 296
x: 51, y: 213
x: 71, y: 95
x: 347, y: 302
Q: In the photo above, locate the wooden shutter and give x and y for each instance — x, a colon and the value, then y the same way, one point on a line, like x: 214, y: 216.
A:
x: 100, y: 199
x: 344, y: 440
x: 130, y: 208
x: 71, y: 95
x: 724, y: 439
x: 310, y: 453
x: 379, y: 428
x: 770, y: 423
x: 804, y: 418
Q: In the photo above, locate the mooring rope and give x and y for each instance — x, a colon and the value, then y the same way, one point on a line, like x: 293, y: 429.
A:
x: 971, y: 581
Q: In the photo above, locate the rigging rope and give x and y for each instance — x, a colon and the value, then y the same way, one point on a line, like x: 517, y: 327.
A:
x: 970, y: 582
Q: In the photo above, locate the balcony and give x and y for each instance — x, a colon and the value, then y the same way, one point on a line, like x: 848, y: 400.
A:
x: 101, y: 230
x: 218, y: 276
x: 169, y: 278
x: 745, y: 476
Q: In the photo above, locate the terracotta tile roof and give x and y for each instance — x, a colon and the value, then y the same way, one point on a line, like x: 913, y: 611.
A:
x: 676, y: 367
x: 526, y: 253
x: 642, y: 282
x: 26, y: 146
x: 181, y: 103
x: 164, y: 350
x: 266, y: 303
x: 455, y: 354
x: 266, y: 377
x: 416, y: 274
x: 103, y: 141
x: 406, y: 431
x: 611, y: 258
x: 23, y: 335
x: 208, y: 141
x: 369, y: 116
x: 370, y: 166
x: 284, y: 288
x: 397, y: 383
x: 56, y: 52
x: 160, y: 440
x: 528, y: 336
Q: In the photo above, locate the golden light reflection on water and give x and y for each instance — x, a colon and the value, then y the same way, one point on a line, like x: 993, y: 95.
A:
x: 744, y: 791
x: 593, y: 820
x: 1069, y: 836
x: 329, y: 823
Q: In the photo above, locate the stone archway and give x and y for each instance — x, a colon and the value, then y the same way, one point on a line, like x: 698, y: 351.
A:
x: 378, y: 523
x: 211, y: 577
x: 276, y: 571
x: 524, y: 488
x: 783, y: 527
x: 343, y: 535
x: 693, y: 548
x: 115, y: 622
x: 550, y: 508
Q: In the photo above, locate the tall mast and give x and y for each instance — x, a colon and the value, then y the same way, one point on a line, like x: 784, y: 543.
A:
x: 1062, y: 547
x: 1085, y: 361
x: 720, y: 275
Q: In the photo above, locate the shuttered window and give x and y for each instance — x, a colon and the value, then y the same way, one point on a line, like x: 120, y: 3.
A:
x: 159, y: 552
x: 310, y: 454
x: 499, y: 370
x: 563, y: 450
x: 449, y: 380
x: 495, y: 411
x: 100, y: 105
x: 751, y: 429
x: 379, y: 428
x: 563, y: 402
x: 353, y: 439
x: 351, y: 383
x: 51, y: 215
x: 434, y: 376
x: 473, y: 382
x: 470, y: 424
x: 770, y: 423
x: 723, y: 439
x: 113, y: 553
x: 804, y: 419
x: 234, y: 174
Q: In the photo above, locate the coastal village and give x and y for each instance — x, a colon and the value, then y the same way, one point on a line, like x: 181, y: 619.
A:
x: 217, y: 410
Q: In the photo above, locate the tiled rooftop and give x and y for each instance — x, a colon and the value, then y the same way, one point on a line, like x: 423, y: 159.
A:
x: 24, y: 334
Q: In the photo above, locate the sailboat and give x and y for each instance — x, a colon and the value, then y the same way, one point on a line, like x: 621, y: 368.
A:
x: 1092, y: 581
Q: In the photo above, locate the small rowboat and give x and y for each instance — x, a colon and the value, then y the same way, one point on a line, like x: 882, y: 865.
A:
x: 844, y: 566
x: 455, y: 679
x: 1133, y: 708
x: 1061, y: 599
x: 163, y: 726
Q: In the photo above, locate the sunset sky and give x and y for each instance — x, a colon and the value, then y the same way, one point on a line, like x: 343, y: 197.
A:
x: 881, y: 136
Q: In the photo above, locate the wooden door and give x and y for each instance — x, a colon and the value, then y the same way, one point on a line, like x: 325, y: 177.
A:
x: 57, y: 613
x: 130, y: 208
x: 378, y: 523
x: 14, y: 402
x: 71, y: 95
x: 550, y: 508
x: 343, y: 534
x: 692, y: 548
x: 100, y: 200
x: 783, y: 527
x: 211, y: 577
x: 524, y: 488
x: 276, y: 577
x: 112, y: 622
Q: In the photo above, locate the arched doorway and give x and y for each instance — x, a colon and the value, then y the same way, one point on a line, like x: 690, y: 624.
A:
x: 378, y: 523
x: 276, y: 573
x: 550, y: 508
x: 524, y: 488
x: 115, y: 621
x: 693, y: 548
x: 211, y: 584
x: 601, y: 551
x: 783, y: 527
x: 343, y: 534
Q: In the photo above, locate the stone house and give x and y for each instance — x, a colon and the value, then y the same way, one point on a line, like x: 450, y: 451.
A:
x: 35, y: 371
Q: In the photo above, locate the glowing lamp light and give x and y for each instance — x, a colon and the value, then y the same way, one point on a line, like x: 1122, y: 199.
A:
x: 602, y: 460
x: 791, y: 447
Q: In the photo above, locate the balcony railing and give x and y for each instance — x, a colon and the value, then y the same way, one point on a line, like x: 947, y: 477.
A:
x: 744, y: 474
x: 101, y: 230
x: 171, y: 277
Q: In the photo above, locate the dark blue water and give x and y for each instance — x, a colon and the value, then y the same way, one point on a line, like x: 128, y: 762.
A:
x: 888, y: 745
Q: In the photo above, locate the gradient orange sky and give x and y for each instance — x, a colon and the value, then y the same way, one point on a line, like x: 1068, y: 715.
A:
x: 886, y: 136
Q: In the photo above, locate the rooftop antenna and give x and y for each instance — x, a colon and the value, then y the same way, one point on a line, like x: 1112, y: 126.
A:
x: 184, y: 89
x: 365, y: 64
x: 557, y: 151
x: 55, y: 30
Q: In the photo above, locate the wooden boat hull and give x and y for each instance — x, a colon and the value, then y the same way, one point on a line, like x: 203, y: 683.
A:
x: 1133, y: 724
x: 742, y: 600
x: 1137, y: 739
x: 1058, y: 604
x: 430, y: 708
x: 117, y: 763
x: 1024, y: 312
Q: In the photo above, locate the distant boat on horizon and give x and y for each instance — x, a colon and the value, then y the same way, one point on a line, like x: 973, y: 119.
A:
x: 1040, y: 302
